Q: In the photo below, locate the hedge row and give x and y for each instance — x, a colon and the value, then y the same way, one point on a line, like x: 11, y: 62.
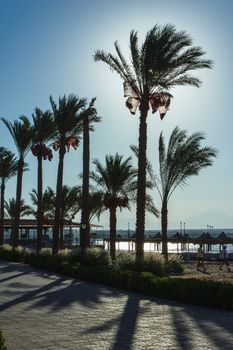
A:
x: 206, y: 293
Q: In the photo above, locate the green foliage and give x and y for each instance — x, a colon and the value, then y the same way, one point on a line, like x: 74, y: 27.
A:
x: 92, y: 256
x: 153, y: 262
x: 6, y: 247
x: 200, y: 292
x: 124, y: 261
x: 17, y: 255
x: 96, y: 256
x: 174, y: 264
x: 2, y: 342
x: 46, y: 252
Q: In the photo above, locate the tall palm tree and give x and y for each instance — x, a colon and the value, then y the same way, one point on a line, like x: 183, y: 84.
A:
x: 21, y: 132
x: 116, y: 178
x: 44, y: 129
x: 8, y: 169
x: 90, y: 117
x: 183, y: 158
x: 162, y: 61
x: 69, y: 126
x: 11, y: 210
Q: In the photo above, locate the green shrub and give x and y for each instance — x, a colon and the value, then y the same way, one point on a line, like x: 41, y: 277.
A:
x: 153, y: 262
x: 124, y: 261
x: 2, y: 342
x: 174, y: 264
x: 6, y: 247
x: 64, y: 252
x: 17, y: 255
x: 46, y: 251
x: 96, y: 256
x: 92, y: 256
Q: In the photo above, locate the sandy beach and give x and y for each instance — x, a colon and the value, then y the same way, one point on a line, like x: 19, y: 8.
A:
x: 212, y: 272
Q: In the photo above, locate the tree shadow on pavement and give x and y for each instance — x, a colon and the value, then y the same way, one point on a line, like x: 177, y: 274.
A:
x: 212, y: 324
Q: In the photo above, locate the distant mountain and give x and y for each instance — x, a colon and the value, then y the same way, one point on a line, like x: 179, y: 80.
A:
x: 211, y: 217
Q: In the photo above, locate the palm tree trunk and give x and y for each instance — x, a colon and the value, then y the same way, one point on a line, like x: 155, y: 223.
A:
x: 61, y: 241
x: 164, y: 230
x: 17, y: 203
x: 39, y: 204
x: 85, y: 227
x: 58, y: 199
x: 141, y: 185
x: 2, y: 212
x: 113, y: 233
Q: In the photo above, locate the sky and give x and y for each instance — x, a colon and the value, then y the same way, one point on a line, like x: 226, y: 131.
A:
x: 47, y: 48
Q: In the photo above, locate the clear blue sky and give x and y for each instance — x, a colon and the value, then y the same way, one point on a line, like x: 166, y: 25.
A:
x: 47, y: 48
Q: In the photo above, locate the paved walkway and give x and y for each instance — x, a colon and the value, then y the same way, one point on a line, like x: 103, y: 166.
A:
x: 41, y: 310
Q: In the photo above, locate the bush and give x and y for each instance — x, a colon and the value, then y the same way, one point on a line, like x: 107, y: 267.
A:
x: 124, y: 261
x: 153, y: 262
x: 175, y: 264
x: 2, y: 342
x: 18, y: 255
x: 92, y: 256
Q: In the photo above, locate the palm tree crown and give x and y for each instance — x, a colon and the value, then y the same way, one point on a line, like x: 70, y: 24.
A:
x: 116, y: 178
x: 44, y: 130
x: 67, y: 121
x: 8, y: 169
x: 8, y: 164
x: 163, y: 61
x: 10, y: 208
x: 183, y: 158
x: 21, y: 132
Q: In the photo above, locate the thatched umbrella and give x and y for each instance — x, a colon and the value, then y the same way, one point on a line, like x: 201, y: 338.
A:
x: 224, y: 239
x: 205, y: 238
x: 157, y: 238
x: 177, y: 238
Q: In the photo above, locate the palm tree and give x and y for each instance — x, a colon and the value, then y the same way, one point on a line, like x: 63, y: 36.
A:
x: 21, y: 132
x: 47, y: 206
x: 11, y: 210
x: 160, y: 63
x: 116, y: 178
x: 90, y: 117
x: 183, y: 158
x: 43, y: 132
x: 8, y: 169
x: 69, y: 126
x: 70, y: 205
x: 95, y: 204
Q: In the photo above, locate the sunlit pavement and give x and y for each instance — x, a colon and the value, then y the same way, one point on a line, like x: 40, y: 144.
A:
x: 42, y: 310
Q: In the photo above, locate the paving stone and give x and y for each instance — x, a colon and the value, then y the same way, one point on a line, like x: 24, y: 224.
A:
x: 46, y: 311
